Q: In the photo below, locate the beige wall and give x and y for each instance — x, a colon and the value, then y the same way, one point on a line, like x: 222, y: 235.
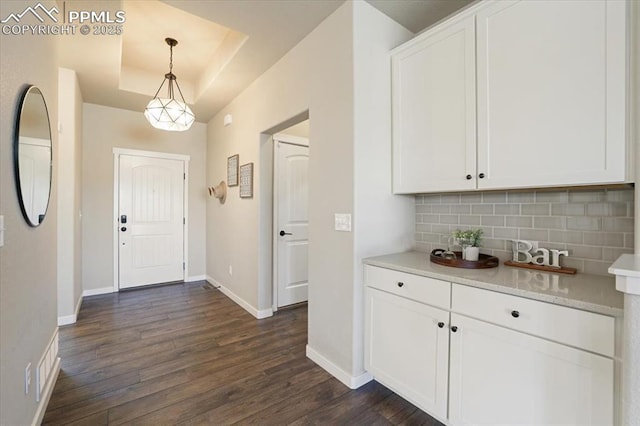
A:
x: 315, y: 76
x: 105, y: 128
x: 69, y: 201
x: 28, y: 311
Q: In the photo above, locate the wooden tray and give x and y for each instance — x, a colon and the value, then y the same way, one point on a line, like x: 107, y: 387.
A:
x: 484, y: 261
x: 562, y: 270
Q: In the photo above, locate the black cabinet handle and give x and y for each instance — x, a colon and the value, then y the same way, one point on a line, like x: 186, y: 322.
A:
x: 440, y: 324
x: 469, y: 177
x: 481, y: 175
x: 454, y: 328
x: 124, y: 228
x: 515, y: 314
x: 400, y: 283
x: 282, y: 233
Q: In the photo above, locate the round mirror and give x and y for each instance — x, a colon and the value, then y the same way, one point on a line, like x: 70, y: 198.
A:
x: 32, y: 156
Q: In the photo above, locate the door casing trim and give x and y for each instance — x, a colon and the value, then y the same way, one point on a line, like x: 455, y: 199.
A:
x: 185, y: 208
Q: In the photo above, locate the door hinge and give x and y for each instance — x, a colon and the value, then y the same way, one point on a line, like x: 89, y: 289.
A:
x: 184, y: 176
x: 184, y: 221
x: 183, y: 266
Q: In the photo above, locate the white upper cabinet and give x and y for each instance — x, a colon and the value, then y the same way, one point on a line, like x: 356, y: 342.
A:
x: 550, y: 79
x: 551, y: 93
x: 434, y: 111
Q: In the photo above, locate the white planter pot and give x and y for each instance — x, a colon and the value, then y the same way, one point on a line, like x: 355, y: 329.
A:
x: 471, y: 253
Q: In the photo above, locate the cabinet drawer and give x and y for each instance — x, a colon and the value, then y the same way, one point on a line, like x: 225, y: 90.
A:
x: 585, y: 330
x: 415, y: 287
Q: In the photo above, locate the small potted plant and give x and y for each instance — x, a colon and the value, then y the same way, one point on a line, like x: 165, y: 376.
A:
x: 469, y: 240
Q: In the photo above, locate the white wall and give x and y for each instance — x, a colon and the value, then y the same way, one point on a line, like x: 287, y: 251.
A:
x: 69, y: 197
x: 316, y: 76
x: 28, y: 311
x: 105, y: 128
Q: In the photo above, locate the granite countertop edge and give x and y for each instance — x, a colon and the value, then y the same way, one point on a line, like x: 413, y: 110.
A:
x: 418, y: 263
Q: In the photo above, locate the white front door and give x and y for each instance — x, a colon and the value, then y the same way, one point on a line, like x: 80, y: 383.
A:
x: 150, y: 220
x: 291, y: 178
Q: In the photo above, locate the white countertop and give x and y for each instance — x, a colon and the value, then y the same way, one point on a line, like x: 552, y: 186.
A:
x: 592, y: 293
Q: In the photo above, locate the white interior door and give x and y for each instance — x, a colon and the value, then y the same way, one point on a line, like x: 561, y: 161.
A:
x: 150, y: 220
x: 291, y: 176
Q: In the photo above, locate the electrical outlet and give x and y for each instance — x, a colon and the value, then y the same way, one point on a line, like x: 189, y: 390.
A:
x: 27, y: 379
x: 230, y: 270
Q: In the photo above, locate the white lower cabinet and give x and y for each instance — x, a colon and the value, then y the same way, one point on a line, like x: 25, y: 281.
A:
x: 487, y: 358
x: 407, y: 347
x: 503, y: 377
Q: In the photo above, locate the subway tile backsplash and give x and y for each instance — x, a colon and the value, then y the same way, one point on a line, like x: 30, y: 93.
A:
x: 595, y: 226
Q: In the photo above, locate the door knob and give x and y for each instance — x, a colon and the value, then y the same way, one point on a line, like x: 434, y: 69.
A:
x: 124, y: 228
x: 282, y: 233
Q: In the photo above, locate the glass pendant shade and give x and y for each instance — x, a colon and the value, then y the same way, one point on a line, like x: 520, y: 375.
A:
x: 169, y: 113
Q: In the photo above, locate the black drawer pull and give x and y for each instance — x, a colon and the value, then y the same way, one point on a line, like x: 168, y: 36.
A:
x: 515, y: 314
x: 481, y: 175
x: 440, y: 324
x: 400, y: 283
x: 469, y: 177
x: 454, y: 328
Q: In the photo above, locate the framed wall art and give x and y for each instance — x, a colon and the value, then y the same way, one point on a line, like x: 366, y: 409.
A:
x: 232, y: 170
x: 246, y: 180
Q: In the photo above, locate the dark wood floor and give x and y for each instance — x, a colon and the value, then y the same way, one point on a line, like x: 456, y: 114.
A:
x: 186, y: 354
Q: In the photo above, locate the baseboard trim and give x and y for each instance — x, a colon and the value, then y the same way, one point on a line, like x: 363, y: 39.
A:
x: 97, y: 291
x: 195, y: 278
x: 46, y: 396
x: 71, y: 319
x: 353, y: 382
x: 257, y: 313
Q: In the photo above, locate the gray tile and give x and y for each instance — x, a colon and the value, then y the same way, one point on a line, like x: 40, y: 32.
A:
x: 614, y: 239
x: 487, y: 231
x: 555, y: 246
x: 417, y: 236
x: 535, y: 209
x: 418, y: 218
x: 460, y: 208
x: 571, y: 209
x: 574, y: 237
x: 450, y: 198
x: 430, y: 218
x: 520, y: 197
x: 585, y: 252
x: 419, y: 200
x: 612, y: 254
x: 449, y: 218
x: 586, y: 196
x: 423, y: 227
x: 619, y: 195
x: 534, y: 234
x: 551, y: 196
x: 423, y: 247
x: 594, y: 238
x: 469, y: 220
x: 629, y: 240
x: 494, y: 197
x: 600, y: 209
x: 597, y: 268
x: 431, y: 238
x: 572, y: 262
x: 511, y: 209
x: 507, y: 233
x: 502, y: 255
x: 440, y: 208
x: 471, y: 198
x: 584, y: 223
x: 519, y: 222
x: 441, y: 229
x: 618, y: 224
x: 492, y: 220
x: 423, y: 208
x: 482, y: 209
x: 619, y: 209
x: 494, y: 244
x: 549, y: 222
x: 431, y: 199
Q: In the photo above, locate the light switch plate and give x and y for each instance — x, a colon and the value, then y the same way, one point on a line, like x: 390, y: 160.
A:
x: 342, y: 222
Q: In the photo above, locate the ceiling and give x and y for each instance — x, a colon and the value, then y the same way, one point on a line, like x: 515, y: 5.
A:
x: 223, y: 45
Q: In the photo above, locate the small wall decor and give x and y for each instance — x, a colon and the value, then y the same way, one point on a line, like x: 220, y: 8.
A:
x: 232, y: 170
x: 526, y: 254
x: 246, y: 180
x: 219, y: 191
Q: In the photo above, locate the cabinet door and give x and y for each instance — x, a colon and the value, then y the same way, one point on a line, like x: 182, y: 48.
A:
x: 406, y: 350
x: 433, y: 110
x: 500, y: 376
x: 551, y: 93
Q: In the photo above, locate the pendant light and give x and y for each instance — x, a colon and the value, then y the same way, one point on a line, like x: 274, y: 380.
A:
x: 169, y: 113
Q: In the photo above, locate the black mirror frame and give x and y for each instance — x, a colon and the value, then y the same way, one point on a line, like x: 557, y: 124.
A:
x: 16, y: 155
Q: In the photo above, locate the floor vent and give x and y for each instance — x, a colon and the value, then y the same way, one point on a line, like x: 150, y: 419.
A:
x: 208, y: 286
x: 45, y: 366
